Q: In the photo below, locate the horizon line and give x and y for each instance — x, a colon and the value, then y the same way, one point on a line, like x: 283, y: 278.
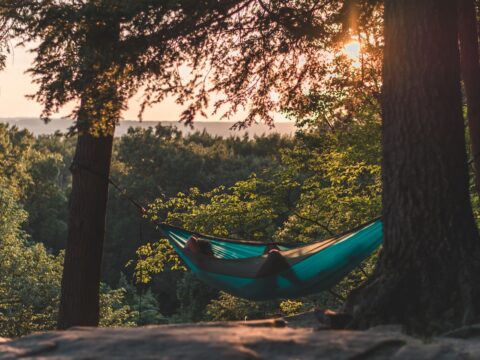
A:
x: 137, y: 120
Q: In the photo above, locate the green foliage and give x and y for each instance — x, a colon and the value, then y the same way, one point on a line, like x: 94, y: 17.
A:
x: 113, y: 310
x: 147, y: 308
x: 33, y: 182
x: 228, y: 307
x: 241, y: 211
x: 291, y: 307
x: 17, y: 154
x: 152, y: 259
x: 193, y: 297
x: 143, y: 303
x: 29, y: 276
x: 37, y: 170
x: 341, y: 185
x: 30, y: 280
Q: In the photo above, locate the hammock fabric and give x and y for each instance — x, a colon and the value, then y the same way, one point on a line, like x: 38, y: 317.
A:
x: 242, y: 268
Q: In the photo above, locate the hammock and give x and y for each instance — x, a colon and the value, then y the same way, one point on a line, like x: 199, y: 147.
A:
x: 244, y: 269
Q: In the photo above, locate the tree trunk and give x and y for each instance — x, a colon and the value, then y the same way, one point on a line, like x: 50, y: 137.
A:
x: 470, y: 66
x: 100, y: 107
x: 86, y: 231
x: 427, y: 274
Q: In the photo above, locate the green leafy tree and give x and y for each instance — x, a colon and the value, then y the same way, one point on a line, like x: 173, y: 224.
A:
x: 30, y: 280
x: 36, y: 170
x: 114, y: 311
x: 29, y: 275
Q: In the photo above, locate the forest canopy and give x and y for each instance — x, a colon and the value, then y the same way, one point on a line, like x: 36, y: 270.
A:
x: 260, y: 188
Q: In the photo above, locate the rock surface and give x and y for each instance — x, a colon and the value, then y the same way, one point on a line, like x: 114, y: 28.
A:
x: 301, y: 338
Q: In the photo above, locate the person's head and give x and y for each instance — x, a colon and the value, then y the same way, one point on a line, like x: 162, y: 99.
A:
x: 197, y: 245
x: 205, y: 247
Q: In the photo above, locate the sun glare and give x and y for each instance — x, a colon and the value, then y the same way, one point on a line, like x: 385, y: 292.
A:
x: 352, y: 51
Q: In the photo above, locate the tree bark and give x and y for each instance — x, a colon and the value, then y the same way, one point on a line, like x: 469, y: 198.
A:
x: 470, y: 66
x: 427, y: 274
x: 86, y: 231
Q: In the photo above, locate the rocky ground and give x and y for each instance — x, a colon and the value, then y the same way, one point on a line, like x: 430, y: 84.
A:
x: 296, y: 338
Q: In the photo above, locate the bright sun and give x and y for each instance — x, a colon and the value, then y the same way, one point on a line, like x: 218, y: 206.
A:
x: 352, y: 50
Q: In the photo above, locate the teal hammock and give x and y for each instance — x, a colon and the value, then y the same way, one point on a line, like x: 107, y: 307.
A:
x: 246, y: 269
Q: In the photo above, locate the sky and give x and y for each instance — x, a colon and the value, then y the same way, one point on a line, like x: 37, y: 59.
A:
x: 15, y: 84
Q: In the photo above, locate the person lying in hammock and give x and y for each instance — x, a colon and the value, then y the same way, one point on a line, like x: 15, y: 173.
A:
x: 198, y: 246
x: 274, y: 262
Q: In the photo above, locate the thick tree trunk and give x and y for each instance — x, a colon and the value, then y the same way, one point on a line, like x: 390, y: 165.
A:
x: 470, y: 65
x: 101, y: 104
x: 86, y: 231
x: 427, y: 274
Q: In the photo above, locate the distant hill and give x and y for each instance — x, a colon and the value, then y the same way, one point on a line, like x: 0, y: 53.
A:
x: 37, y: 127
